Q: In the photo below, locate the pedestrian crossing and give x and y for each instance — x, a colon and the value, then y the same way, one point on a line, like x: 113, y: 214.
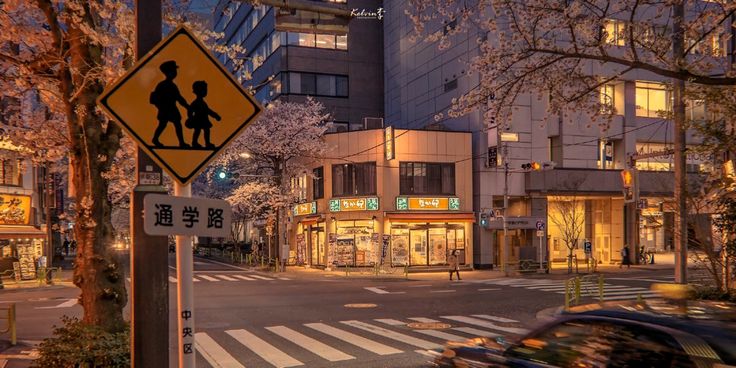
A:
x: 228, y: 278
x: 587, y: 289
x: 343, y: 343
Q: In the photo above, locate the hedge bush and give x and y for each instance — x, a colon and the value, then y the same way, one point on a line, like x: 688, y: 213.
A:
x: 78, y: 345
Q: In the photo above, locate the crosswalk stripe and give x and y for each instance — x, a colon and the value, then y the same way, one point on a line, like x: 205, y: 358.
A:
x: 441, y: 335
x: 172, y: 279
x: 476, y: 332
x: 495, y: 318
x: 268, y: 352
x: 557, y: 286
x: 214, y: 353
x: 617, y: 292
x: 226, y: 278
x: 195, y: 279
x: 424, y: 320
x: 377, y: 290
x: 208, y: 278
x: 314, y: 346
x: 390, y: 322
x: 424, y: 344
x: 354, y: 339
x: 486, y: 324
x: 262, y: 277
x: 589, y: 287
x: 246, y: 278
x: 284, y: 278
x: 624, y: 297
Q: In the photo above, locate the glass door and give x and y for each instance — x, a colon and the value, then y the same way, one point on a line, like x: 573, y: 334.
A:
x: 437, y: 246
x: 418, y: 246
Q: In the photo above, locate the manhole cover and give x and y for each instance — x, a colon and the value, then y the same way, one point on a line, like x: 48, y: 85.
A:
x: 428, y: 326
x: 360, y: 305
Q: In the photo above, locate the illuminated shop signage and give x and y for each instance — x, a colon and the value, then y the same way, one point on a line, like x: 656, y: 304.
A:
x: 15, y: 209
x: 388, y: 140
x: 308, y: 208
x: 428, y: 204
x: 354, y: 204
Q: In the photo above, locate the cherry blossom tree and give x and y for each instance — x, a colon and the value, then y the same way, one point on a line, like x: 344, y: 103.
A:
x: 56, y: 57
x: 274, y: 149
x: 564, y: 51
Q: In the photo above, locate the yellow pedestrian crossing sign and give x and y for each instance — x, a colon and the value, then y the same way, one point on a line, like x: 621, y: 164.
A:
x: 180, y: 105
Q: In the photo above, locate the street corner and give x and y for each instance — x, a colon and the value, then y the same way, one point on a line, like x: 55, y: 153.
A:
x: 20, y: 355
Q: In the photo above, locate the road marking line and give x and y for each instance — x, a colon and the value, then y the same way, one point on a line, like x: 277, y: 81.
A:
x: 377, y: 290
x: 172, y: 279
x: 67, y: 304
x: 265, y: 350
x: 406, y: 339
x: 558, y: 286
x: 417, y: 286
x: 424, y: 320
x: 442, y: 335
x: 262, y: 277
x: 246, y: 278
x: 224, y: 264
x: 482, y: 323
x: 214, y: 353
x: 195, y: 279
x: 226, y: 278
x: 621, y: 292
x: 491, y: 289
x: 284, y: 278
x: 442, y: 291
x: 354, y: 339
x: 495, y: 318
x: 390, y: 322
x: 314, y: 346
x: 208, y: 278
x: 476, y: 332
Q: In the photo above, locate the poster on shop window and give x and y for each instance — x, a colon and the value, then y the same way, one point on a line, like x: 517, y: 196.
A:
x: 331, y: 244
x: 399, y: 250
x: 375, y: 247
x: 384, y: 247
x: 344, y: 252
x: 301, y: 249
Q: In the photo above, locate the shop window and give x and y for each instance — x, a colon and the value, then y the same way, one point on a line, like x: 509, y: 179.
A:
x: 426, y: 178
x: 318, y: 183
x: 652, y: 99
x: 354, y: 179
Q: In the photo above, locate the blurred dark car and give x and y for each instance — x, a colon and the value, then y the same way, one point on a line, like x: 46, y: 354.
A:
x: 655, y: 333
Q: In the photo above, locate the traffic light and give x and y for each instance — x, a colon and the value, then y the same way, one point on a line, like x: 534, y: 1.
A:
x: 629, y: 184
x: 483, y: 219
x: 223, y: 174
x: 532, y: 166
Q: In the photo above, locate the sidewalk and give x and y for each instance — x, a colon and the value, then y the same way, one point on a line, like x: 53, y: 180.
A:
x: 65, y: 280
x: 18, y: 356
x: 299, y: 271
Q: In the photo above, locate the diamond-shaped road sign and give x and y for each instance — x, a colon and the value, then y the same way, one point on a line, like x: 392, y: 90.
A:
x: 180, y: 105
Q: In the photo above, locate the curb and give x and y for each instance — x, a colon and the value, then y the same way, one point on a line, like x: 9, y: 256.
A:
x: 548, y: 314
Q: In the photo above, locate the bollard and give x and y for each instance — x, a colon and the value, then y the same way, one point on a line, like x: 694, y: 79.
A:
x: 11, y: 325
x: 652, y: 260
x: 406, y: 271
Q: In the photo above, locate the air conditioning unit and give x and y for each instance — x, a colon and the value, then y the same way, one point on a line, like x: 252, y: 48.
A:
x: 372, y: 123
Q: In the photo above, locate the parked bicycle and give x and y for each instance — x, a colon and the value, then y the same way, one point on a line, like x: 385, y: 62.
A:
x: 645, y: 257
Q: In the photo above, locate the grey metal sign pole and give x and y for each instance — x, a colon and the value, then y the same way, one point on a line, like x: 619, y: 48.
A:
x: 149, y: 295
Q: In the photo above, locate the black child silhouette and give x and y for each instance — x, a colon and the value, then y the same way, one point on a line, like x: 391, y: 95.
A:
x: 198, y: 115
x: 165, y: 97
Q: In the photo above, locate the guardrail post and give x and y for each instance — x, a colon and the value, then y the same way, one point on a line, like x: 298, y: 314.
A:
x: 406, y: 271
x: 11, y: 322
x: 577, y: 289
x: 600, y: 288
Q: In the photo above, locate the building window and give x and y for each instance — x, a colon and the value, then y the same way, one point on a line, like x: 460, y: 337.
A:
x: 426, y: 178
x: 354, y: 179
x: 318, y: 183
x: 652, y: 98
x: 608, y: 103
x: 322, y: 41
x: 695, y: 110
x: 299, y: 186
x: 615, y: 32
x: 10, y: 172
x: 312, y: 84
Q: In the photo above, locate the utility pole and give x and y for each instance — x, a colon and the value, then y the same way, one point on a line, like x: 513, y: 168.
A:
x: 505, y: 265
x: 149, y: 258
x: 678, y: 89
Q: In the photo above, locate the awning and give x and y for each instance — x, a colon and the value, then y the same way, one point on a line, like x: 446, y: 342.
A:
x: 311, y: 220
x: 430, y: 217
x: 21, y: 232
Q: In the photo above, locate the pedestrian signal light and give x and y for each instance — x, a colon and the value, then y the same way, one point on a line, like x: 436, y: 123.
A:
x: 222, y: 175
x: 627, y: 178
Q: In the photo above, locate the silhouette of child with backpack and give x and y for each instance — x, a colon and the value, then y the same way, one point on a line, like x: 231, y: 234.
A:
x: 198, y: 115
x: 165, y: 97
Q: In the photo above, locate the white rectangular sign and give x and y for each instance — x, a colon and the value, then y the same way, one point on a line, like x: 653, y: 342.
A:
x: 169, y: 215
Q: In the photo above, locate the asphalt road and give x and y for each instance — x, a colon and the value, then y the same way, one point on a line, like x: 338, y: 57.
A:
x: 250, y: 319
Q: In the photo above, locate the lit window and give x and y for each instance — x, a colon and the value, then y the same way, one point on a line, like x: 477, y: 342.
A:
x: 325, y: 41
x: 615, y: 32
x: 652, y: 99
x: 607, y: 99
x: 342, y: 42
